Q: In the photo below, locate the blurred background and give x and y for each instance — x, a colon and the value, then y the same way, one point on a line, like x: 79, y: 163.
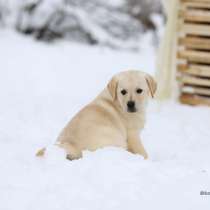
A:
x: 117, y: 24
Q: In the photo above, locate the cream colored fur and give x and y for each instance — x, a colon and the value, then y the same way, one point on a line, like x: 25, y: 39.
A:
x: 106, y: 121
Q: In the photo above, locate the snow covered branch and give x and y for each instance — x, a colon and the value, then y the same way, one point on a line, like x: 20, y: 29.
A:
x: 118, y: 24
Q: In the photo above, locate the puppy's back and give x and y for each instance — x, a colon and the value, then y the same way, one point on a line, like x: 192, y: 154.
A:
x: 95, y: 126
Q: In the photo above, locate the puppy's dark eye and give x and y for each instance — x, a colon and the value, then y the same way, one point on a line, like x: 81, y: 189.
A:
x: 123, y: 92
x: 139, y: 90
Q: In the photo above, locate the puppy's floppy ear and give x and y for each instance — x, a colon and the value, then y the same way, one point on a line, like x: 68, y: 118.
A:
x: 112, y: 87
x: 152, y: 85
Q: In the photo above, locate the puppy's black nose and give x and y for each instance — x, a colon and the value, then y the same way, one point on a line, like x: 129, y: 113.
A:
x: 131, y: 104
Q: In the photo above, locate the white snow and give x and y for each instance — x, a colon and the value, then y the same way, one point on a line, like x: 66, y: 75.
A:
x: 42, y: 86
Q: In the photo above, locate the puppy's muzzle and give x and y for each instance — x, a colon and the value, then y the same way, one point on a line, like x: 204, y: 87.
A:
x: 131, y: 106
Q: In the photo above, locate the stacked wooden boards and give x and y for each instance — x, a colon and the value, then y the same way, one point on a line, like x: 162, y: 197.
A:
x: 193, y: 52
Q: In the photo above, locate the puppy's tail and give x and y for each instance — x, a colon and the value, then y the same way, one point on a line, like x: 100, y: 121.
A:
x: 41, y: 152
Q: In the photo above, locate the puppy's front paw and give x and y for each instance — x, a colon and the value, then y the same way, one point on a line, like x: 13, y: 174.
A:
x: 145, y: 156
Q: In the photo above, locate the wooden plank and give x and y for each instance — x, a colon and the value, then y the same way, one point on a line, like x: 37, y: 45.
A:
x: 194, y: 56
x: 195, y: 15
x: 196, y: 90
x: 204, y: 5
x: 194, y: 69
x: 194, y: 100
x: 190, y: 80
x: 195, y: 43
x: 203, y: 1
x: 195, y: 29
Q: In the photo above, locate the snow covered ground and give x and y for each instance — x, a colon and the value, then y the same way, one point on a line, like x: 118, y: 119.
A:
x: 41, y: 89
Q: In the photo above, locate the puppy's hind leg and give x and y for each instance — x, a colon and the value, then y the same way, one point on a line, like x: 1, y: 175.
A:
x: 72, y: 152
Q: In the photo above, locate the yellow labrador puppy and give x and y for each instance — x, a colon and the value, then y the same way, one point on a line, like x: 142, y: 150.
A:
x: 114, y: 118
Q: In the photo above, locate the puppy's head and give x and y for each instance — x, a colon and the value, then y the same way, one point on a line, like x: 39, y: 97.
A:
x: 131, y: 89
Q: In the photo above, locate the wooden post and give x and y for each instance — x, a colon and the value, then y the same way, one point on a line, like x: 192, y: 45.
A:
x: 193, y: 54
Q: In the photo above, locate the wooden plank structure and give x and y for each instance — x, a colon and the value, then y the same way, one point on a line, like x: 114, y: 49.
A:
x: 193, y: 52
